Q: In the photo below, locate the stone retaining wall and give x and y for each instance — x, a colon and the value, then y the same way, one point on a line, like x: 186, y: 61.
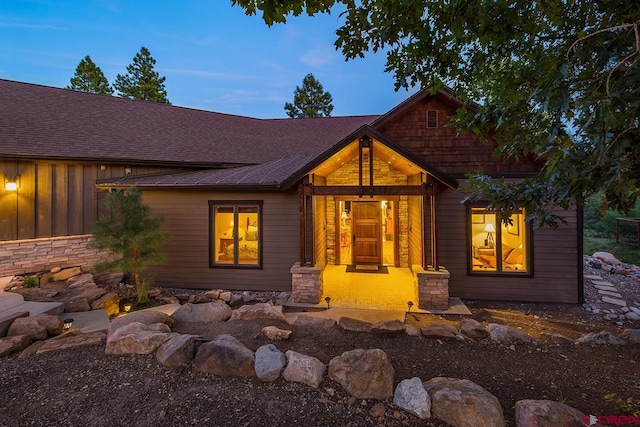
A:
x: 306, y: 284
x: 36, y: 255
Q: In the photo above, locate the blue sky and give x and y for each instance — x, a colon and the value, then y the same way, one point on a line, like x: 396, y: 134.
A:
x: 213, y: 56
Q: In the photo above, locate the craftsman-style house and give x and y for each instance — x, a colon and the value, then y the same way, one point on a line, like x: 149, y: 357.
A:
x: 259, y: 204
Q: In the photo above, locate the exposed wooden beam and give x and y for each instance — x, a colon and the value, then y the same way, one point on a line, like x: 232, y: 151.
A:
x: 356, y: 190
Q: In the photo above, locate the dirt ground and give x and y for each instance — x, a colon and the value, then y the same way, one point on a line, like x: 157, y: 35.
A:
x: 87, y: 387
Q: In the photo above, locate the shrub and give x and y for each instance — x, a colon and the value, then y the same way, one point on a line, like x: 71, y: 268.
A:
x: 30, y: 282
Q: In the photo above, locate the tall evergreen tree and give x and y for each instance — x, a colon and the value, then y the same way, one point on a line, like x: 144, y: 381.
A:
x: 142, y: 82
x: 310, y: 100
x: 89, y: 78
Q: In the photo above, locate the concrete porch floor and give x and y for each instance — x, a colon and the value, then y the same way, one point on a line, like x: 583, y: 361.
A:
x: 373, y: 291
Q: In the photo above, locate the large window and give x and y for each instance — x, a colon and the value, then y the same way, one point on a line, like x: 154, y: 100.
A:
x: 235, y: 233
x: 496, y: 247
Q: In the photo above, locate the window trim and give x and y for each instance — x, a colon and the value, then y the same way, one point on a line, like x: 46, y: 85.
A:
x: 235, y: 204
x: 528, y: 228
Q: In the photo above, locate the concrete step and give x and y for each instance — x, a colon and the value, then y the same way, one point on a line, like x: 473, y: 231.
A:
x: 34, y: 308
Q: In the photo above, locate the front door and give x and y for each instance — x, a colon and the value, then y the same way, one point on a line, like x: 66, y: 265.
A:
x: 367, y: 238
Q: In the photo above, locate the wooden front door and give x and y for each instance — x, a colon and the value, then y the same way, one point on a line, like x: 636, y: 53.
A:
x: 367, y: 237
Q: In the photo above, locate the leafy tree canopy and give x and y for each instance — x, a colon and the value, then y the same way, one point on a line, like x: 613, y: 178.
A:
x: 89, y: 78
x: 556, y: 79
x: 310, y: 100
x: 142, y: 82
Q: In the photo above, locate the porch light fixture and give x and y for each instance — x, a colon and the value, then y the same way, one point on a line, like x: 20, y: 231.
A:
x: 409, y: 304
x: 10, y: 184
x: 488, y: 241
x: 127, y: 307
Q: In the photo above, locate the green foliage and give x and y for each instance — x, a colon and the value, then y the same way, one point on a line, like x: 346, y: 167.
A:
x: 30, y: 282
x: 142, y: 82
x: 601, y: 221
x: 132, y: 235
x: 628, y: 406
x: 89, y: 78
x: 557, y: 80
x: 310, y: 100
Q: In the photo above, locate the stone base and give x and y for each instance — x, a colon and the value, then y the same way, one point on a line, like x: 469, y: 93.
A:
x: 306, y: 283
x: 433, y: 288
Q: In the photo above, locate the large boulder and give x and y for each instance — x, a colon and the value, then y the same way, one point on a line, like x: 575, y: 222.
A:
x: 463, y: 403
x: 262, y: 310
x: 76, y: 305
x: 303, y: 369
x: 13, y: 344
x: 543, y: 413
x: 109, y: 302
x: 225, y: 355
x: 79, y: 281
x: 179, y: 351
x: 216, y: 311
x: 6, y: 321
x: 389, y: 327
x: 606, y: 257
x: 36, y: 327
x: 354, y: 325
x: 441, y: 331
x: 269, y: 362
x: 138, y: 338
x: 91, y: 294
x: 314, y: 322
x: 275, y: 333
x: 147, y: 317
x: 363, y: 373
x: 600, y: 338
x: 506, y: 335
x: 473, y: 329
x: 411, y: 396
x: 73, y: 339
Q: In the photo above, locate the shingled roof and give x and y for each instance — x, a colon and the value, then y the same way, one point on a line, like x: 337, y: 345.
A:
x: 39, y: 122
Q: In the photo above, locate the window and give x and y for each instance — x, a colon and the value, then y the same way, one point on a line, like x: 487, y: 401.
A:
x: 432, y: 119
x: 235, y: 233
x: 497, y: 247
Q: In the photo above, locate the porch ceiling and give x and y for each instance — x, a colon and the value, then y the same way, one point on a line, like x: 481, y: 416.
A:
x: 380, y: 151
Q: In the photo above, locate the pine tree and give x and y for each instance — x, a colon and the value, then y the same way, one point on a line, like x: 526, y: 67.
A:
x: 132, y: 235
x: 89, y: 78
x: 310, y: 100
x: 142, y: 82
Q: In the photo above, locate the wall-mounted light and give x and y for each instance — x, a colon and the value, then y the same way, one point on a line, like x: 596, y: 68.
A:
x: 127, y: 171
x: 11, y: 184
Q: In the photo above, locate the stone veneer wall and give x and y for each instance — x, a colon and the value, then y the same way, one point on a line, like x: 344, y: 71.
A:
x: 306, y: 283
x: 384, y: 174
x: 35, y: 255
x: 433, y: 288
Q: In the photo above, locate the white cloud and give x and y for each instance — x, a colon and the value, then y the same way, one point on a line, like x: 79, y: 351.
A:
x: 319, y: 57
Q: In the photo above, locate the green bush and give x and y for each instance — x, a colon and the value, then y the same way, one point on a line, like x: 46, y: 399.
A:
x: 30, y: 282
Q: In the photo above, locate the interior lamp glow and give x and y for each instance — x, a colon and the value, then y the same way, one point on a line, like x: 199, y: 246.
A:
x: 488, y: 241
x: 11, y: 186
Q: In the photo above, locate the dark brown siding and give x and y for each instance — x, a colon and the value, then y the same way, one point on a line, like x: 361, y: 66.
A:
x: 53, y: 199
x: 444, y: 146
x: 186, y: 216
x: 554, y: 260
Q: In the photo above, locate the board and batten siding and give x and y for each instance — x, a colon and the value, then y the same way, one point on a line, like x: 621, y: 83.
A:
x: 54, y: 199
x: 186, y: 220
x: 554, y: 260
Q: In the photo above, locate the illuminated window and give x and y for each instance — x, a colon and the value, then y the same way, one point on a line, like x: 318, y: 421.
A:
x: 498, y: 247
x: 236, y: 233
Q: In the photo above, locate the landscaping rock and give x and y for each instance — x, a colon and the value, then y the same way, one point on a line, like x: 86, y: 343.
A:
x: 507, y: 335
x: 363, y: 373
x: 463, y: 403
x: 225, y: 296
x: 632, y: 336
x: 91, y: 294
x: 79, y: 280
x: 269, y: 362
x: 77, y: 305
x: 606, y: 257
x: 109, y: 303
x: 315, y: 322
x: 543, y: 413
x: 147, y: 317
x: 442, y: 331
x: 216, y: 311
x: 274, y: 333
x: 138, y: 338
x: 600, y: 338
x: 412, y: 331
x: 5, y: 322
x: 226, y: 356
x: 13, y: 344
x: 303, y: 369
x: 411, y: 396
x: 179, y: 351
x: 213, y: 294
x: 555, y: 338
x: 262, y: 310
x: 67, y: 273
x: 72, y: 339
x: 631, y: 315
x: 354, y: 325
x: 473, y: 329
x: 36, y: 327
x: 388, y: 327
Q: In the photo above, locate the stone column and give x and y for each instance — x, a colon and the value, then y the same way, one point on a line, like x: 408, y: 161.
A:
x: 433, y: 288
x: 306, y: 283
